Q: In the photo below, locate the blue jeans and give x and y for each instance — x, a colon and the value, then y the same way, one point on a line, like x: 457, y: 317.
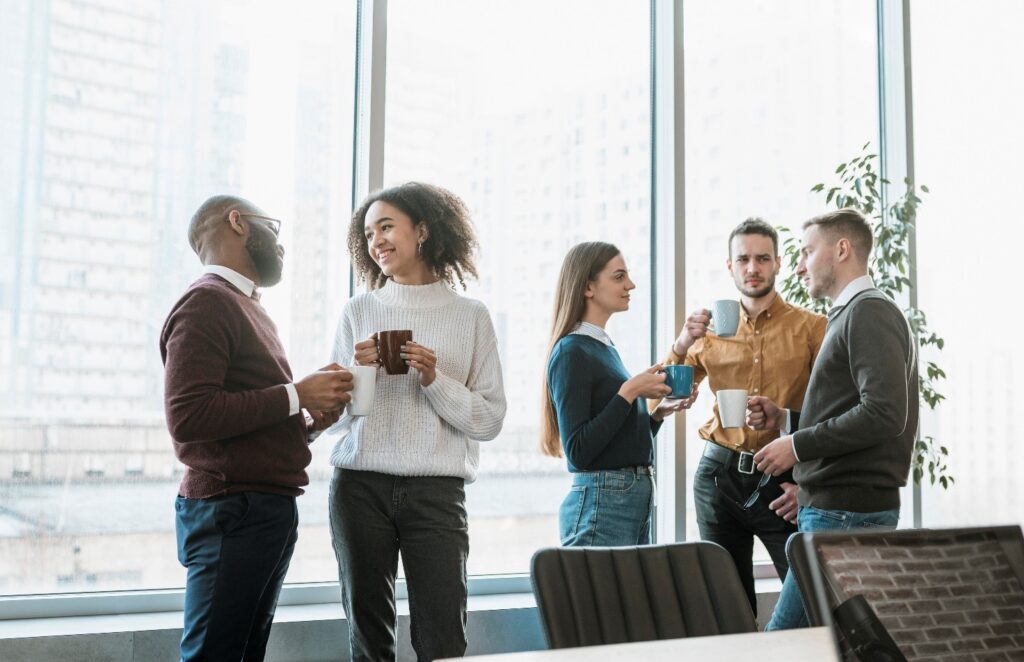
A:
x: 607, y: 508
x: 237, y: 548
x: 789, y: 610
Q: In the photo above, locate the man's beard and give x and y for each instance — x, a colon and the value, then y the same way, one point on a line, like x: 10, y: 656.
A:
x: 266, y: 260
x: 761, y: 291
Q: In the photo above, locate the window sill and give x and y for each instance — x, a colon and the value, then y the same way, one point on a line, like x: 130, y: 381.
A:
x: 498, y: 623
x: 20, y: 628
x: 171, y: 620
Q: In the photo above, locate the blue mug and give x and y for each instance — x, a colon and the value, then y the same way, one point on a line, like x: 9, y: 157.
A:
x: 680, y: 379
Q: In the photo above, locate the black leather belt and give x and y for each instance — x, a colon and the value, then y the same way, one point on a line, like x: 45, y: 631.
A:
x: 744, y: 459
x: 644, y: 469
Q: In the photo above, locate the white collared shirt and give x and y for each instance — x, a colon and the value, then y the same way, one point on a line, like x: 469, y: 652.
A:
x: 247, y: 287
x: 594, y: 331
x: 241, y: 283
x: 852, y: 289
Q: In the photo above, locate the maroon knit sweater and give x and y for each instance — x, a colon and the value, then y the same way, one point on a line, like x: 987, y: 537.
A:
x: 225, y: 396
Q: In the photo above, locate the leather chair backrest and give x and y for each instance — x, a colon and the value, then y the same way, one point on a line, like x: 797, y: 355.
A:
x: 803, y: 569
x: 604, y: 595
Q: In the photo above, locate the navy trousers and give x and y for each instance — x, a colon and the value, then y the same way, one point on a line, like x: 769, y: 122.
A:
x: 237, y: 548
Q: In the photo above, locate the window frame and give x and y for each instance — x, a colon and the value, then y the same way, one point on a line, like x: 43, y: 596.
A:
x: 668, y: 267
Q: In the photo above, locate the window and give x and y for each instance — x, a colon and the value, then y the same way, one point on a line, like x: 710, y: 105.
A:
x: 777, y: 94
x: 967, y: 139
x: 117, y: 121
x: 528, y: 111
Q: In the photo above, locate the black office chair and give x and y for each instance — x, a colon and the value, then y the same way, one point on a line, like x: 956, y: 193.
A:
x: 808, y: 578
x: 589, y: 596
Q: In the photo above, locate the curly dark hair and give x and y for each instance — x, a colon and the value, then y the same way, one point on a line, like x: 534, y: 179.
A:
x: 451, y: 240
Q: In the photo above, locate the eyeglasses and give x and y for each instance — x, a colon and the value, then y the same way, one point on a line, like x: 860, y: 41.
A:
x: 752, y: 499
x: 273, y: 223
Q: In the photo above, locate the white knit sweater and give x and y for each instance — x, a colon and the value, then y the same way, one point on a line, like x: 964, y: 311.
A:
x: 414, y: 430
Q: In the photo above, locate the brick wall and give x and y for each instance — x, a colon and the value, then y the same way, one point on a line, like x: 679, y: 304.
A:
x: 942, y: 595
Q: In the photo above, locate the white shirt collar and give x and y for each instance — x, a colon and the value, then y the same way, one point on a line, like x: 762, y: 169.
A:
x: 852, y: 289
x: 241, y: 283
x: 594, y: 331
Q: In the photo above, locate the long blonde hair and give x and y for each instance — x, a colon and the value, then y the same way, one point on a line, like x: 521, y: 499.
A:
x: 581, y: 266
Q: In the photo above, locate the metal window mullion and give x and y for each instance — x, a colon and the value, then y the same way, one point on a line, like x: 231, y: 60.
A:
x: 668, y: 245
x: 369, y: 111
x: 896, y: 133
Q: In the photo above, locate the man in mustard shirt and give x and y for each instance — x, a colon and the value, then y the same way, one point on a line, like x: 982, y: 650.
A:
x: 771, y: 355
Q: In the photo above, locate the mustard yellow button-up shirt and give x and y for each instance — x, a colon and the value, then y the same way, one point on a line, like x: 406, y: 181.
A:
x: 770, y: 355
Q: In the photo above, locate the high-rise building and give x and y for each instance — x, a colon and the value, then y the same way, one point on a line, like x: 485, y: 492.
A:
x: 85, y: 227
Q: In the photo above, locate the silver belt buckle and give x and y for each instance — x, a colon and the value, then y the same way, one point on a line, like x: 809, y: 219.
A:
x: 745, y: 465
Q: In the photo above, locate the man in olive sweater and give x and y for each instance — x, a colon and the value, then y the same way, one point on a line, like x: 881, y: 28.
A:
x: 854, y: 438
x: 236, y: 421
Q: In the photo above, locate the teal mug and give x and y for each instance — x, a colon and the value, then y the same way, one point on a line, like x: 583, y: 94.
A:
x: 680, y: 379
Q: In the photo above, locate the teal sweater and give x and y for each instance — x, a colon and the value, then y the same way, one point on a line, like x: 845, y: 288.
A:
x: 599, y: 429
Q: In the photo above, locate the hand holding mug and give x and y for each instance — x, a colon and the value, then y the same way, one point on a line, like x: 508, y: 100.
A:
x: 695, y: 328
x: 763, y: 414
x: 422, y: 359
x: 327, y: 389
x: 668, y: 407
x: 366, y: 352
x: 648, y: 384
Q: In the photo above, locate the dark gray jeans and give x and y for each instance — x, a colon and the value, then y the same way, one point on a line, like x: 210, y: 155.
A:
x: 374, y: 517
x: 722, y: 519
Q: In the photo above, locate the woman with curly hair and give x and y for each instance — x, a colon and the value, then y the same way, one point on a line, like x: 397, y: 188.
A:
x: 400, y: 472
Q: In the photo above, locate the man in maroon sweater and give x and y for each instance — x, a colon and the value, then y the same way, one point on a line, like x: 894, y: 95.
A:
x: 236, y: 419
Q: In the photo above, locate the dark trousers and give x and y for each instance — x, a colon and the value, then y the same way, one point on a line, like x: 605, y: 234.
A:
x: 722, y: 519
x: 374, y: 517
x: 237, y: 548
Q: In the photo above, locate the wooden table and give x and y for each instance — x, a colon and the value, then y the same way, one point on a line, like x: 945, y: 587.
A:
x: 781, y: 646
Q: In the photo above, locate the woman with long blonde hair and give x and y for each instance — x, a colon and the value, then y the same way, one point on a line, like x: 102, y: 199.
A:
x: 594, y: 412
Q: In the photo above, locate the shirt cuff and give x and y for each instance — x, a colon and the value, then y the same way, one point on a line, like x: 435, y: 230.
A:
x: 293, y: 399
x: 787, y: 426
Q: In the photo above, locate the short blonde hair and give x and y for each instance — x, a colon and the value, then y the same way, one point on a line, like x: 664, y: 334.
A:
x: 850, y: 224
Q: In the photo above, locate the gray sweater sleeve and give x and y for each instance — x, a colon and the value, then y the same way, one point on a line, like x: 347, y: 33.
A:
x: 880, y: 352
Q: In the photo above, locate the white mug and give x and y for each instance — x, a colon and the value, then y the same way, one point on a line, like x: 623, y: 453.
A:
x: 364, y: 382
x: 725, y: 314
x: 732, y: 407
